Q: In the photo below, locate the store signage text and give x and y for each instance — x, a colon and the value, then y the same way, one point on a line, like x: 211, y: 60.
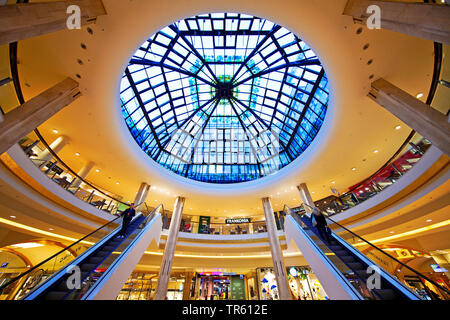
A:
x: 237, y: 220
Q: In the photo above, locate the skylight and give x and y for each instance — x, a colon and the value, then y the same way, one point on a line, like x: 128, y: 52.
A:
x: 224, y: 97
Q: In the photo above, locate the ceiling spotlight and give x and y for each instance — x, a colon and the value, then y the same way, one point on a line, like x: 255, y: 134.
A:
x: 77, y: 154
x: 392, y: 232
x: 117, y: 183
x: 398, y: 127
x: 97, y: 170
x: 51, y: 229
x: 55, y: 131
x: 13, y: 217
x: 419, y: 95
x: 353, y: 169
x: 333, y: 182
x: 429, y: 220
x: 375, y: 151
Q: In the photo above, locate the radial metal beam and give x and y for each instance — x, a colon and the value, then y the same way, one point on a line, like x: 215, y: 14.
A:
x: 147, y: 62
x: 301, y: 63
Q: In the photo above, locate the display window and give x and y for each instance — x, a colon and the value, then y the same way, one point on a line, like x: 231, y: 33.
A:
x: 268, y: 289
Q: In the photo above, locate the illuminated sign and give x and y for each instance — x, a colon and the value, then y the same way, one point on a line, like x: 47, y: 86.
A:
x: 237, y: 220
x: 437, y: 268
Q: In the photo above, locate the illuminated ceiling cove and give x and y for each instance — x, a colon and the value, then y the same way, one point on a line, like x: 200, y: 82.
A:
x: 224, y: 97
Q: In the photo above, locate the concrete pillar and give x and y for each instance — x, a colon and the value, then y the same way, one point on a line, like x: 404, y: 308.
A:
x: 84, y: 171
x: 187, y: 285
x: 141, y: 195
x: 27, y: 20
x: 22, y: 120
x: 305, y: 196
x: 422, y: 20
x: 169, y: 251
x: 424, y: 119
x: 56, y: 146
x: 277, y: 254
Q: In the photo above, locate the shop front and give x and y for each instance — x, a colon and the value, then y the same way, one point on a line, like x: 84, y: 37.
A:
x: 303, y: 283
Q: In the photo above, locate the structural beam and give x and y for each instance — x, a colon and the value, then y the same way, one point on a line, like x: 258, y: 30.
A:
x: 423, y: 20
x: 427, y: 121
x: 141, y: 195
x: 27, y: 20
x: 169, y: 250
x: 306, y: 198
x: 277, y: 254
x: 22, y: 120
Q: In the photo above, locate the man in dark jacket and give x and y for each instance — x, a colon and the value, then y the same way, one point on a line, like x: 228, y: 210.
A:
x: 321, y: 224
x: 127, y: 215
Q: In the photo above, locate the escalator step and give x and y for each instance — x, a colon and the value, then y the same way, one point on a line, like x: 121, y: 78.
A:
x: 55, y: 295
x: 386, y: 294
x: 88, y: 266
x: 95, y: 260
x: 362, y: 273
x: 355, y: 265
x: 102, y: 253
x: 108, y: 248
x: 341, y: 253
x: 347, y: 258
x: 336, y: 248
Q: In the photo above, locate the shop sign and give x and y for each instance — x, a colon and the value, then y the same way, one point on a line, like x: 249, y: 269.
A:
x: 237, y: 220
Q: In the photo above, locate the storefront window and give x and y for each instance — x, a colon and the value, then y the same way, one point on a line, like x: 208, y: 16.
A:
x: 304, y: 284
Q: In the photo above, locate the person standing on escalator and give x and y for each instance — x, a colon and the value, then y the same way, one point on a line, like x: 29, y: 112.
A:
x: 320, y: 223
x: 127, y: 215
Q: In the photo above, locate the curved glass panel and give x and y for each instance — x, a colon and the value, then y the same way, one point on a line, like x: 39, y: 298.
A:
x: 224, y: 97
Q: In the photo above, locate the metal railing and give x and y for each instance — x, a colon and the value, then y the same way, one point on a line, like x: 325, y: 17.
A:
x: 347, y: 234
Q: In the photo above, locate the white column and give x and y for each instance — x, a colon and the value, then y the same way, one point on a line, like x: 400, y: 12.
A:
x: 306, y: 198
x: 277, y: 254
x: 427, y: 121
x: 83, y: 173
x: 169, y: 251
x: 141, y: 195
x: 56, y: 146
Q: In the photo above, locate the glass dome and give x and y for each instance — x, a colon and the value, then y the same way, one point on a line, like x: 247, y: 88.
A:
x: 224, y: 97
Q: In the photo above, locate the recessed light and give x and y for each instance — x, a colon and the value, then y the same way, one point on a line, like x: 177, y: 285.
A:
x: 398, y: 127
x: 429, y: 220
x: 375, y: 151
x: 51, y: 229
x: 27, y: 245
x: 97, y: 170
x: 77, y: 154
x: 13, y: 217
x: 392, y: 232
x: 55, y: 131
x: 353, y: 169
x: 333, y: 182
x: 117, y: 183
x: 419, y: 95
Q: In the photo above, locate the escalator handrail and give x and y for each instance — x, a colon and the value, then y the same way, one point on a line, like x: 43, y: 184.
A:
x: 146, y: 222
x: 55, y: 255
x: 332, y: 267
x: 385, y: 253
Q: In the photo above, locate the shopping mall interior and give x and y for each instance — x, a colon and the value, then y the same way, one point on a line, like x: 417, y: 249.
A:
x: 224, y: 150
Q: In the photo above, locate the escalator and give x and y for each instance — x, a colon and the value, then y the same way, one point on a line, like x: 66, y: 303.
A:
x: 348, y: 273
x: 100, y: 270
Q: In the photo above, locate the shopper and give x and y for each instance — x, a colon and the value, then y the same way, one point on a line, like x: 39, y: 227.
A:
x: 127, y: 215
x: 320, y: 223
